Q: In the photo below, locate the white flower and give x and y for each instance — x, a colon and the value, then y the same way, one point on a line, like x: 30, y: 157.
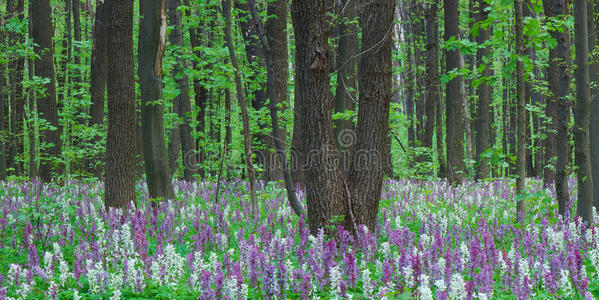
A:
x: 116, y: 295
x: 457, y: 290
x: 231, y: 288
x: 424, y: 289
x: 367, y: 284
x: 385, y: 249
x: 440, y: 285
x: 24, y: 290
x: 564, y: 282
x: 244, y: 291
x: 64, y: 272
x: 465, y: 254
x: 335, y: 279
x: 408, y: 277
x: 76, y: 295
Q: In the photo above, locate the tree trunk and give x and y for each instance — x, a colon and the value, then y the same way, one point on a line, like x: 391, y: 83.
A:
x: 33, y: 142
x: 247, y: 139
x: 584, y: 209
x: 324, y: 190
x: 594, y: 118
x: 201, y: 95
x: 16, y: 73
x: 483, y: 124
x: 255, y: 56
x: 152, y: 42
x: 432, y: 73
x: 553, y: 79
x: 3, y: 119
x: 521, y: 111
x: 346, y: 84
x: 44, y: 67
x: 276, y: 33
x: 184, y: 109
x: 374, y: 81
x: 120, y: 142
x: 454, y: 111
x: 273, y: 70
x: 560, y: 8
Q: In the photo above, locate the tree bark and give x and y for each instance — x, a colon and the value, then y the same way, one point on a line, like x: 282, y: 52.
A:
x: 553, y: 79
x: 560, y: 8
x: 120, y: 143
x: 594, y: 118
x: 99, y: 68
x: 247, y: 139
x: 521, y: 111
x: 324, y: 191
x: 184, y: 109
x: 432, y: 72
x: 273, y: 70
x: 152, y: 42
x: 346, y: 83
x: 582, y: 153
x: 201, y: 96
x: 3, y: 119
x: 17, y: 99
x: 483, y: 125
x: 454, y: 111
x: 44, y: 67
x: 374, y: 82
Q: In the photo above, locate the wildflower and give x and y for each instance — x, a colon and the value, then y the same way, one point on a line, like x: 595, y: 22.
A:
x: 457, y: 289
x: 424, y: 289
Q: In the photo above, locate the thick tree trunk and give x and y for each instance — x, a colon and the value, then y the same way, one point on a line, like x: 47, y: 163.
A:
x: 374, y: 82
x: 584, y: 209
x: 44, y: 67
x: 324, y: 190
x: 247, y: 138
x: 454, y: 111
x: 152, y: 42
x: 120, y: 143
x: 521, y: 111
x: 184, y: 108
x: 483, y: 125
x: 33, y: 142
x: 594, y: 118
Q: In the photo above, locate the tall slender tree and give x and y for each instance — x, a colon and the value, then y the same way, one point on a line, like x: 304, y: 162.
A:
x: 582, y: 152
x: 453, y: 91
x: 594, y: 79
x: 183, y: 107
x: 152, y: 43
x: 247, y: 139
x: 483, y: 125
x: 42, y: 33
x: 120, y: 143
x: 521, y: 110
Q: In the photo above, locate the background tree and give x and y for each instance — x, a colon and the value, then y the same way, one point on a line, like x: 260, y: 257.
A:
x: 453, y: 91
x: 120, y: 143
x: 582, y: 153
x: 594, y: 110
x: 152, y: 43
x: 42, y: 33
x: 521, y: 111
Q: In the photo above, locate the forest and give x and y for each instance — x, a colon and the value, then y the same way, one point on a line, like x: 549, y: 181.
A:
x: 299, y: 149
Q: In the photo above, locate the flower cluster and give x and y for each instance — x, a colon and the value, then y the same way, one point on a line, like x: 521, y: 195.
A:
x: 432, y: 241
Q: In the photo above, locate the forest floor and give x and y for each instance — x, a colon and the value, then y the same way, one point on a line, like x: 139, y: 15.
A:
x: 432, y: 241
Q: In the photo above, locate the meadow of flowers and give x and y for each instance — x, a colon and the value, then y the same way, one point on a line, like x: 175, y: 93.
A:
x: 432, y: 241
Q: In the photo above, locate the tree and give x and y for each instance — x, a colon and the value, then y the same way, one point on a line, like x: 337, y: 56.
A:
x: 120, y: 143
x: 453, y: 91
x: 582, y: 152
x: 559, y: 85
x: 328, y: 193
x: 42, y: 33
x: 594, y: 118
x: 182, y: 105
x: 521, y: 110
x: 247, y: 139
x: 152, y: 42
x: 275, y: 76
x: 483, y: 125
